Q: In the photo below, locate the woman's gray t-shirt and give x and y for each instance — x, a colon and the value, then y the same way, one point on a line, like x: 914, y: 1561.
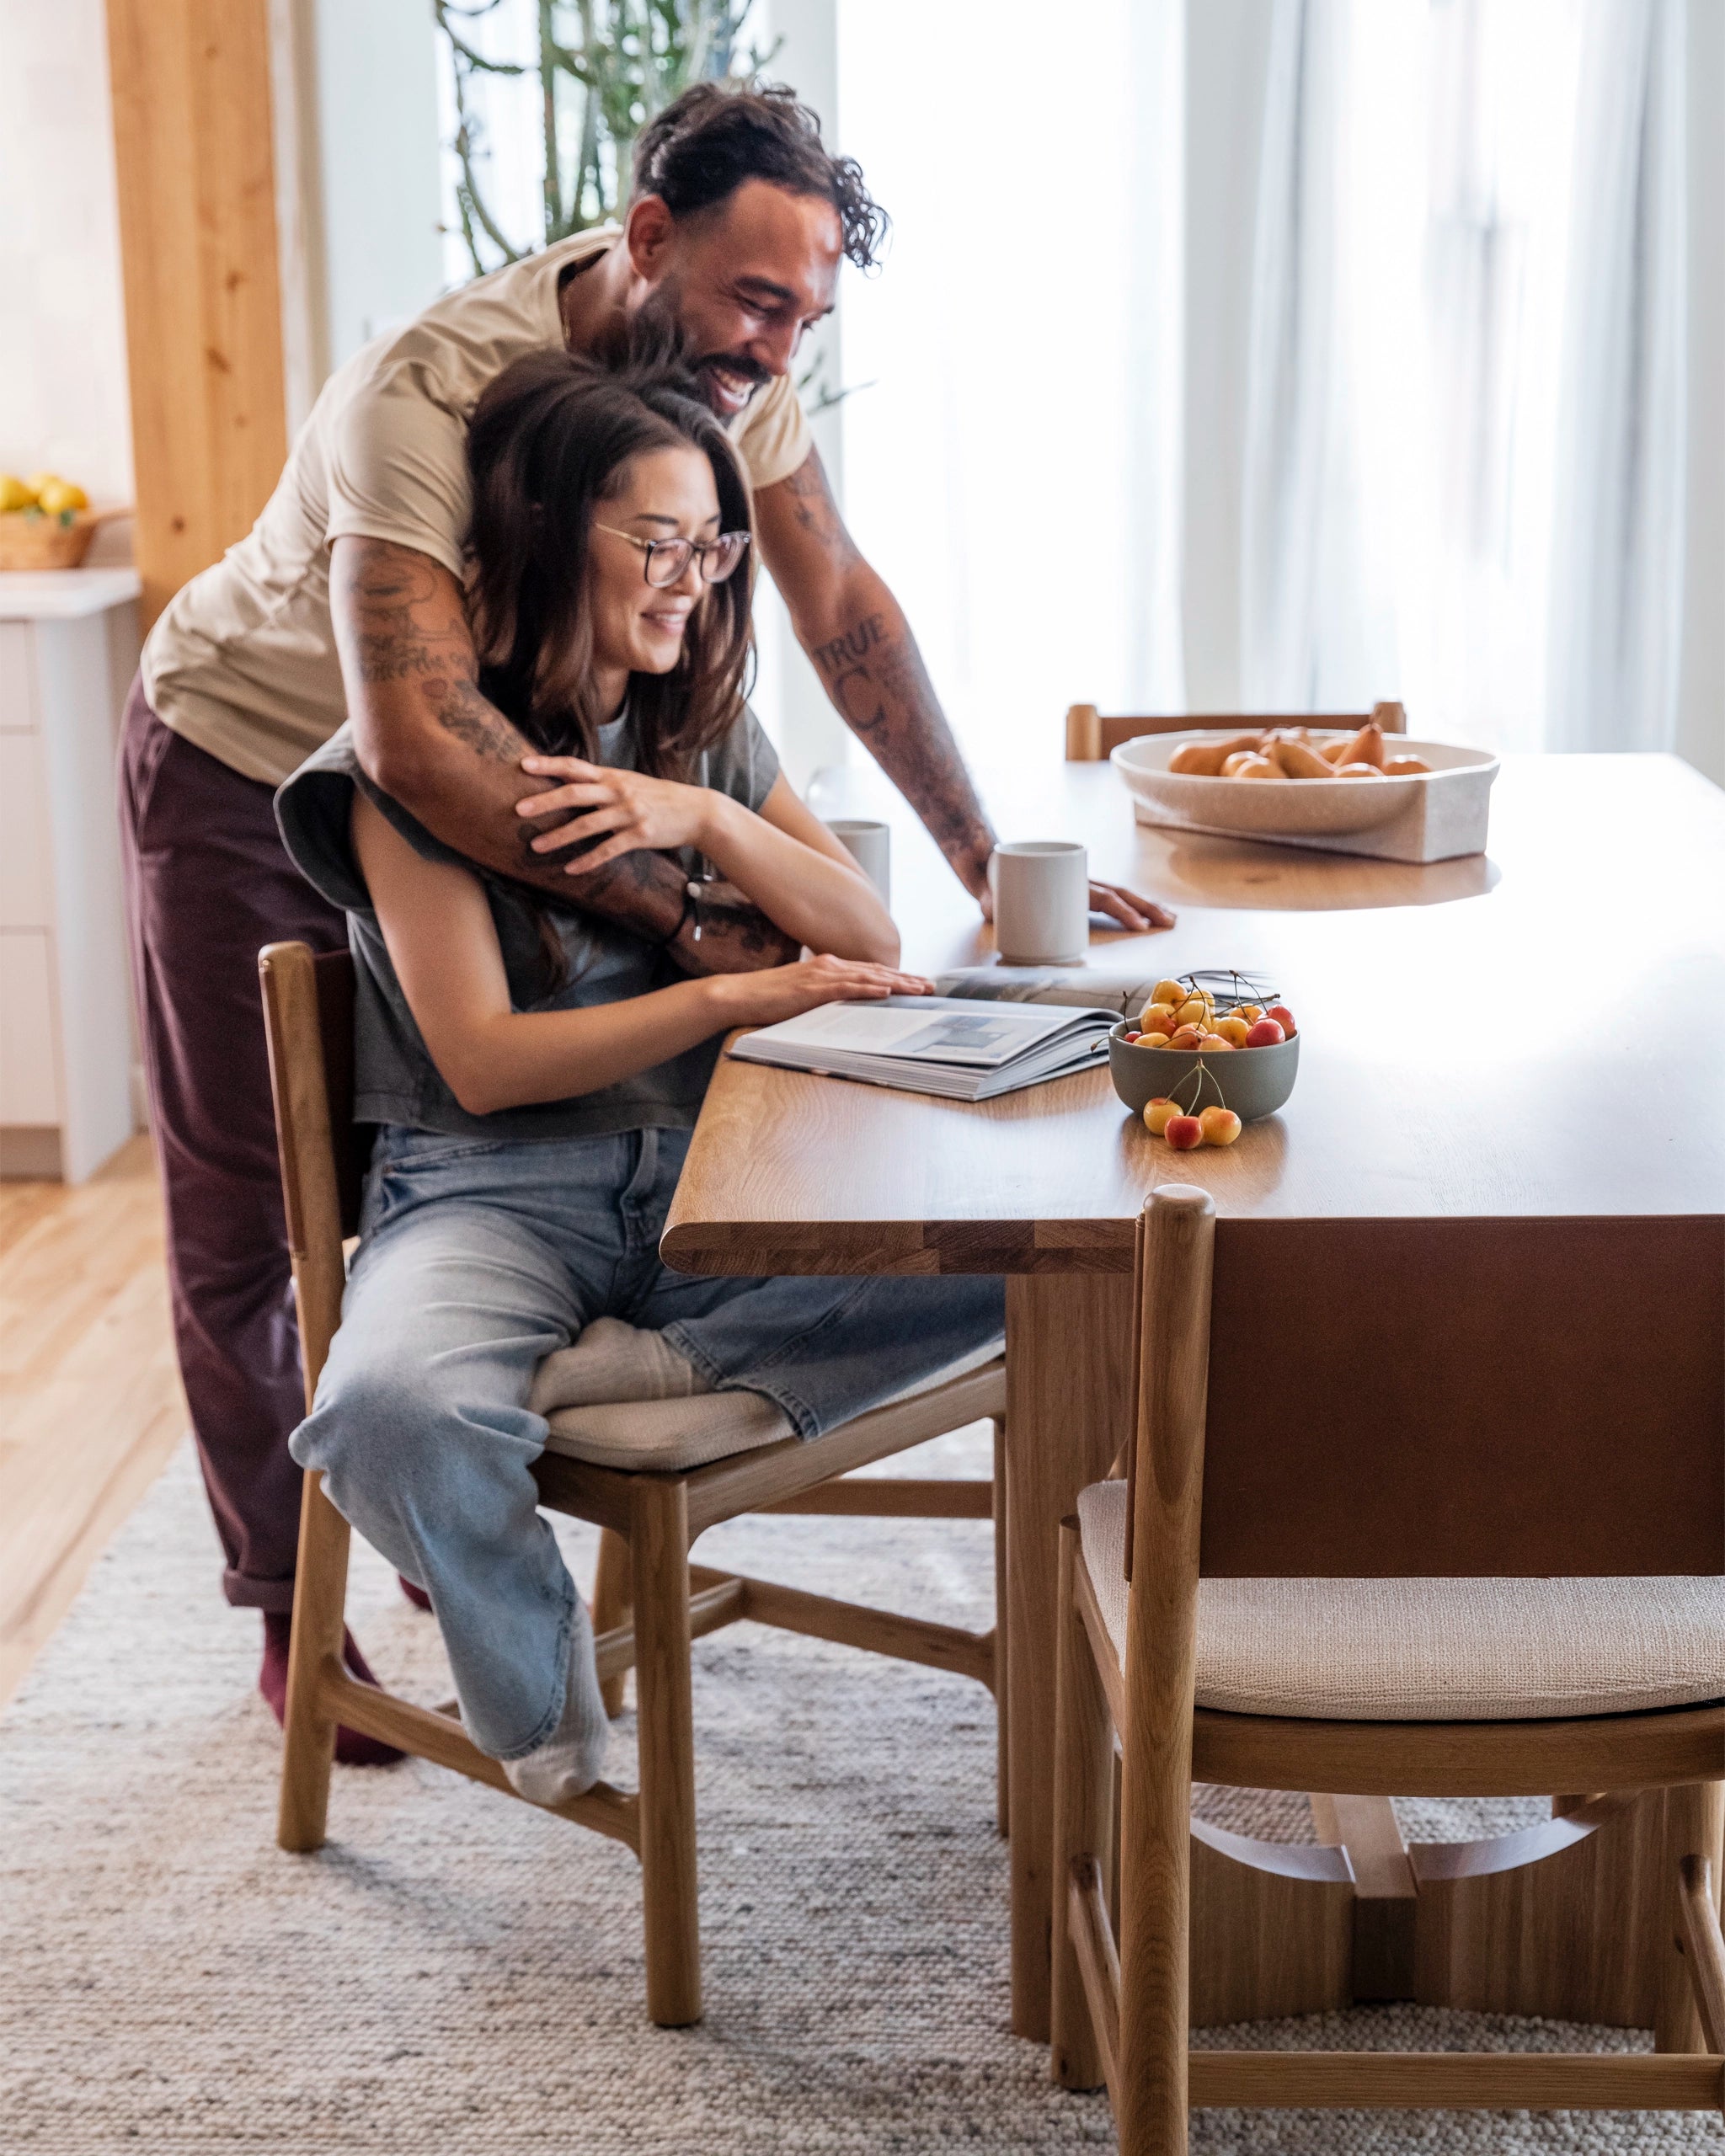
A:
x: 395, y: 1078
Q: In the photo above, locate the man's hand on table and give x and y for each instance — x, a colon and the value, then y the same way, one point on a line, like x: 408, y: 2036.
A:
x: 1133, y: 912
x: 1129, y: 909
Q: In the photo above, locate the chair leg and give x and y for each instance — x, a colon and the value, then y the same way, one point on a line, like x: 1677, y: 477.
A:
x: 1002, y: 1750
x: 319, y: 1606
x: 610, y: 1605
x: 664, y: 1715
x: 1083, y: 1797
x: 1694, y: 1826
x: 1704, y: 1943
x: 1155, y: 1920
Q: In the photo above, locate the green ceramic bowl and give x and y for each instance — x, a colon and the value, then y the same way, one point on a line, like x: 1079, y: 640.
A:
x: 1253, y: 1081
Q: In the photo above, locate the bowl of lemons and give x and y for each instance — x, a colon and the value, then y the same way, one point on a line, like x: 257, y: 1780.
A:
x: 45, y: 522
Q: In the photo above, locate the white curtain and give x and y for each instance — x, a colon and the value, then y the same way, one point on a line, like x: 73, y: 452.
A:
x: 1013, y: 465
x: 1617, y: 595
x: 1466, y: 423
x: 1453, y: 470
x: 1312, y: 487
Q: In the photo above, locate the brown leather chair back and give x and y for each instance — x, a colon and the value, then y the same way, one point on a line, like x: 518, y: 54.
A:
x: 1455, y: 1398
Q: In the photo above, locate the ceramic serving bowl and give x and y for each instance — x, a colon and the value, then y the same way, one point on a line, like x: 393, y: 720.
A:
x: 1310, y: 809
x: 1253, y: 1081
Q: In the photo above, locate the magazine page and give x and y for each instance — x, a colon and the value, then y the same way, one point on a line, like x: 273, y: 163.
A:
x: 919, y: 1028
x: 1124, y: 994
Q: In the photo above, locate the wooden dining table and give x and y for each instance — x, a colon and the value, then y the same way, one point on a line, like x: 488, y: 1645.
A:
x: 1536, y: 1031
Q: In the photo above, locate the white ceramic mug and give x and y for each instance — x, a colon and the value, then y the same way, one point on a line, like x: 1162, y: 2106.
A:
x: 1041, y: 902
x: 870, y: 845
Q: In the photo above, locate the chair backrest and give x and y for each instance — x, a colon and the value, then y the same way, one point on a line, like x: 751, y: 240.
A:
x: 1450, y: 1398
x: 308, y: 1021
x: 1090, y: 737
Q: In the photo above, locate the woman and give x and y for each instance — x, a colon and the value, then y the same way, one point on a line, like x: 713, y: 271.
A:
x: 536, y: 1072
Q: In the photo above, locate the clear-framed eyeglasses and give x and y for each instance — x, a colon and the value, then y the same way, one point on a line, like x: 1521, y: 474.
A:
x: 667, y: 560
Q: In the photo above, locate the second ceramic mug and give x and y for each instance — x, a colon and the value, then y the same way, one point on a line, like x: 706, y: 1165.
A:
x: 1041, y: 902
x: 870, y: 844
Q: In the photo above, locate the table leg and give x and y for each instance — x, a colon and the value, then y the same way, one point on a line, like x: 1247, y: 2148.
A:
x: 1069, y: 1375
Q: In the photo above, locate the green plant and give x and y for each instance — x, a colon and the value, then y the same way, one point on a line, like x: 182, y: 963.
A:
x: 604, y: 68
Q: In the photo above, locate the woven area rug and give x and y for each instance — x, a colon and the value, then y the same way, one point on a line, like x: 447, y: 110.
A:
x: 458, y: 1973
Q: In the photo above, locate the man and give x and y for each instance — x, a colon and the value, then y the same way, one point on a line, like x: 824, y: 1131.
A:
x: 346, y: 600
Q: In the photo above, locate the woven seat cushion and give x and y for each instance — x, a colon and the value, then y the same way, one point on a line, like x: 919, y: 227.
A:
x: 1406, y: 1650
x: 672, y: 1436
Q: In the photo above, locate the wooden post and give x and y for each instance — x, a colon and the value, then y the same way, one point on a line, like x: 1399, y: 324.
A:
x: 311, y: 1203
x: 1695, y: 1817
x: 1003, y: 1750
x: 1084, y: 1759
x: 659, y: 1544
x: 307, y: 1725
x: 194, y: 157
x: 1704, y: 1945
x: 611, y: 1606
x: 1083, y: 733
x: 1385, y: 1892
x: 1162, y: 1640
x: 1069, y: 1340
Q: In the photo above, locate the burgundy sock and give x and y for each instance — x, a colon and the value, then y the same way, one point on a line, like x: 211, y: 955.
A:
x: 415, y: 1592
x: 351, y: 1748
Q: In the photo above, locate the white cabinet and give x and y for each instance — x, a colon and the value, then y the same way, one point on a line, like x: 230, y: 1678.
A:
x: 29, y: 1071
x: 69, y: 644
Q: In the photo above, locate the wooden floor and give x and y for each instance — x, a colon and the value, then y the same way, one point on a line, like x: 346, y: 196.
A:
x: 90, y: 1403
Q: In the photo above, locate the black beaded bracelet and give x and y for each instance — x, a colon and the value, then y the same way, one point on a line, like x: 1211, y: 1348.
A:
x: 691, y: 904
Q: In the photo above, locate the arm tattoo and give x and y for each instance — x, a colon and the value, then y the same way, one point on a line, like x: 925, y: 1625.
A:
x: 736, y: 938
x: 882, y: 692
x: 817, y: 514
x: 839, y: 655
x: 875, y: 676
x: 400, y: 626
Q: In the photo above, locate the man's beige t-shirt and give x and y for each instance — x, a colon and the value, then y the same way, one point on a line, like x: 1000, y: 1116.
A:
x: 243, y: 661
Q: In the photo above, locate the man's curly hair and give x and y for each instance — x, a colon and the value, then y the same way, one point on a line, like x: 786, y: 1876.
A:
x: 706, y: 143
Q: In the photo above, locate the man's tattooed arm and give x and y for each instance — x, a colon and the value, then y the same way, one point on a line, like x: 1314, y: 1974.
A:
x: 429, y: 738
x: 854, y: 629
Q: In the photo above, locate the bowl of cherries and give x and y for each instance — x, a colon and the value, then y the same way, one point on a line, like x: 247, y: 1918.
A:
x: 1209, y: 1053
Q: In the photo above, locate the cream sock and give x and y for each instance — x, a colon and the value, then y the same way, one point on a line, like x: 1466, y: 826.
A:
x: 568, y: 1763
x: 613, y: 1362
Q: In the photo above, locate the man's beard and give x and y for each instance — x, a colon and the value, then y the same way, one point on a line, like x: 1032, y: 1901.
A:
x: 726, y: 377
x: 658, y: 319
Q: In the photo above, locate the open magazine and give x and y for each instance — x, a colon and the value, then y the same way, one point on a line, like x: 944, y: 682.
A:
x: 937, y: 1044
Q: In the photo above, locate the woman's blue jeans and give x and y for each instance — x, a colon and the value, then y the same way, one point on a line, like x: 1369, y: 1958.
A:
x: 477, y: 1260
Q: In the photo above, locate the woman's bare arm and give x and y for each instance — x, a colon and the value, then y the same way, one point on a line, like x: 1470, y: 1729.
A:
x: 783, y: 860
x: 437, y: 925
x: 428, y: 738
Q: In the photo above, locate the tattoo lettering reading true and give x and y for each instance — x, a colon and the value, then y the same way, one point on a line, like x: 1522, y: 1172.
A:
x: 838, y: 656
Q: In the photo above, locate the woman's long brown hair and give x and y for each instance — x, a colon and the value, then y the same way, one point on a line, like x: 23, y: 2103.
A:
x: 547, y: 446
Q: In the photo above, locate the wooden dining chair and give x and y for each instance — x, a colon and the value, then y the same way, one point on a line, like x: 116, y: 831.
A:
x: 1423, y: 1508
x: 648, y: 1606
x: 1091, y: 737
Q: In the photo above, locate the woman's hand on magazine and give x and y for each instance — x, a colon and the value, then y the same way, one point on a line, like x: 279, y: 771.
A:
x: 762, y: 999
x: 625, y: 811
